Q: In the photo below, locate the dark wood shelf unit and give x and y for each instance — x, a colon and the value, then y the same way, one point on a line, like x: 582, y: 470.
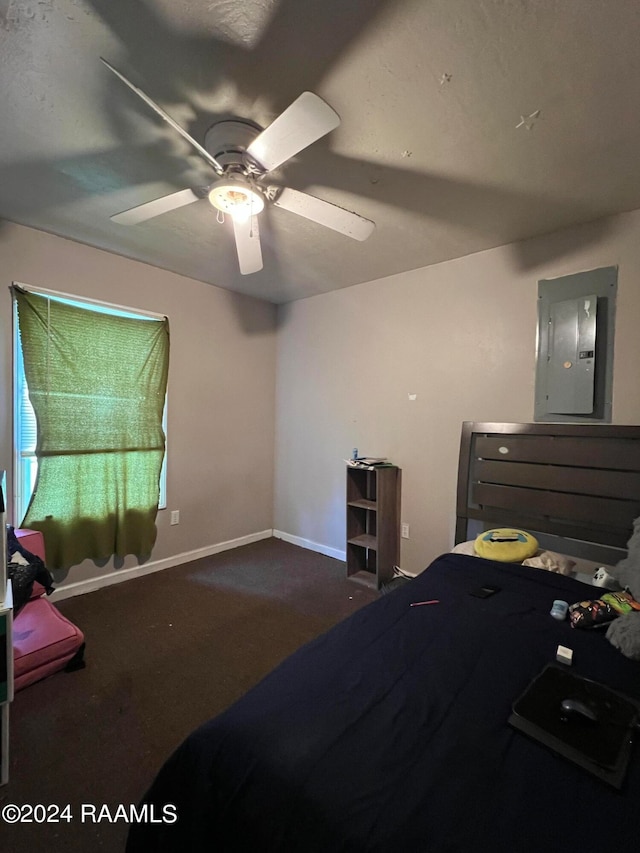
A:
x: 365, y: 504
x: 365, y: 540
x: 373, y: 524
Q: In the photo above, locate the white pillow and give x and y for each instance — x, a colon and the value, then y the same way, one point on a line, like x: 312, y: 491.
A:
x: 467, y: 548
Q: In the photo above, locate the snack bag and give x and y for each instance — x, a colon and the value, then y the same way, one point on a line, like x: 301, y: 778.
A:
x: 622, y: 602
x: 592, y: 614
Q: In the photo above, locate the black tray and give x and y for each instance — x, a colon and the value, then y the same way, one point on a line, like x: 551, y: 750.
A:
x: 602, y: 747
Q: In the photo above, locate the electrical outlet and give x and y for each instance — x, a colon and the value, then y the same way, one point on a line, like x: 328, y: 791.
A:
x: 175, y: 516
x: 405, y: 530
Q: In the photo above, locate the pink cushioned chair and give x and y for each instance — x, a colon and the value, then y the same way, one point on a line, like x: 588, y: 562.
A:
x: 44, y: 641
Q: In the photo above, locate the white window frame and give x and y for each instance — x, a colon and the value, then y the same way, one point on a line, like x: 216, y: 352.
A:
x: 25, y: 464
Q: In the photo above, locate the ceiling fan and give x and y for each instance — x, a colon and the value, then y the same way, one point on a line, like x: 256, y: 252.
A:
x: 242, y: 155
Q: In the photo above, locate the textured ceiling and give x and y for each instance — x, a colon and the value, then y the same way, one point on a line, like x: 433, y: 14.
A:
x: 466, y: 124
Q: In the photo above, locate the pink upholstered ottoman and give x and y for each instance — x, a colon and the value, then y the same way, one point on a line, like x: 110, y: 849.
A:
x: 44, y: 641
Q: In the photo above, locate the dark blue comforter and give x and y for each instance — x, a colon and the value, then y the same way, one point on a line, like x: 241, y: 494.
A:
x: 389, y: 733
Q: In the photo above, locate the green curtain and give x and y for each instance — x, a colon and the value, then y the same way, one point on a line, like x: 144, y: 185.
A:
x: 97, y: 383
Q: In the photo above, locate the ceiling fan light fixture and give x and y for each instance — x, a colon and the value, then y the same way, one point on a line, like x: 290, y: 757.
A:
x: 236, y: 196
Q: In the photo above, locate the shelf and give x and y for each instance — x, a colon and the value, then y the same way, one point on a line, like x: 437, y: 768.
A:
x: 366, y: 578
x: 373, y: 524
x: 364, y: 504
x: 366, y: 540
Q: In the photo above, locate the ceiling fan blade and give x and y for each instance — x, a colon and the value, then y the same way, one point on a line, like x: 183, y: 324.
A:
x: 304, y: 121
x: 325, y: 213
x: 174, y: 124
x: 154, y: 208
x: 247, y: 236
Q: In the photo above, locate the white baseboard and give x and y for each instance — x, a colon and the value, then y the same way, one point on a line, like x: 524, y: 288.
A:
x: 310, y: 545
x: 120, y: 575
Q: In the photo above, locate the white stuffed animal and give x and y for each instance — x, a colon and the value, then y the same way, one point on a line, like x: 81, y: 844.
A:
x: 602, y: 578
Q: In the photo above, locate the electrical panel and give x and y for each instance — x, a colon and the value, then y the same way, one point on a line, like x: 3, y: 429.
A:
x: 574, y: 360
x: 572, y: 356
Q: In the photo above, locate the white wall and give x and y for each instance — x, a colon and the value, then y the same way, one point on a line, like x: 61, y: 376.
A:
x: 458, y: 335
x: 461, y: 336
x: 221, y: 386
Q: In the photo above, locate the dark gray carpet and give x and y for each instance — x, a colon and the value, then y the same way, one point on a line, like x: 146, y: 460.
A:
x: 165, y: 652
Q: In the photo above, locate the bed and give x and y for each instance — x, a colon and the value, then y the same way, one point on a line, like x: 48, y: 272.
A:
x: 392, y: 731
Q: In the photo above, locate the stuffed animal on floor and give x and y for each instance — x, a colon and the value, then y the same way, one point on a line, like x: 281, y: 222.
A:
x: 624, y: 632
x: 627, y: 571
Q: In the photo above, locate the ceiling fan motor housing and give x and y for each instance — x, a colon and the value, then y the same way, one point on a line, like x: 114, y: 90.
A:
x: 228, y: 141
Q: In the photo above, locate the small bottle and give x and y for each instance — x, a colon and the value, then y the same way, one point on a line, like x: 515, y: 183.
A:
x: 559, y: 609
x: 354, y: 453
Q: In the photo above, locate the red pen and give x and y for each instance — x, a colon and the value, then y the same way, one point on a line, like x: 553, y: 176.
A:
x: 418, y: 603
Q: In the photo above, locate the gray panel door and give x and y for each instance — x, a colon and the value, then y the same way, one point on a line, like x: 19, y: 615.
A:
x: 574, y: 358
x: 572, y: 351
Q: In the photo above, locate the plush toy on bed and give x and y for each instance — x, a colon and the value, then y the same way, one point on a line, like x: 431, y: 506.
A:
x: 603, y: 578
x: 506, y: 545
x: 551, y: 562
x: 624, y: 632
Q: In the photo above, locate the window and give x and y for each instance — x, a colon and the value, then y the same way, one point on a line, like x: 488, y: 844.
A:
x: 26, y: 464
x: 25, y: 428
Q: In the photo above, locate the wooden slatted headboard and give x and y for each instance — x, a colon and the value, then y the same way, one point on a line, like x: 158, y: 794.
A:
x: 575, y: 486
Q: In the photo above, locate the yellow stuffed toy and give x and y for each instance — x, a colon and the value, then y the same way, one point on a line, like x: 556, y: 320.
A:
x: 506, y: 545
